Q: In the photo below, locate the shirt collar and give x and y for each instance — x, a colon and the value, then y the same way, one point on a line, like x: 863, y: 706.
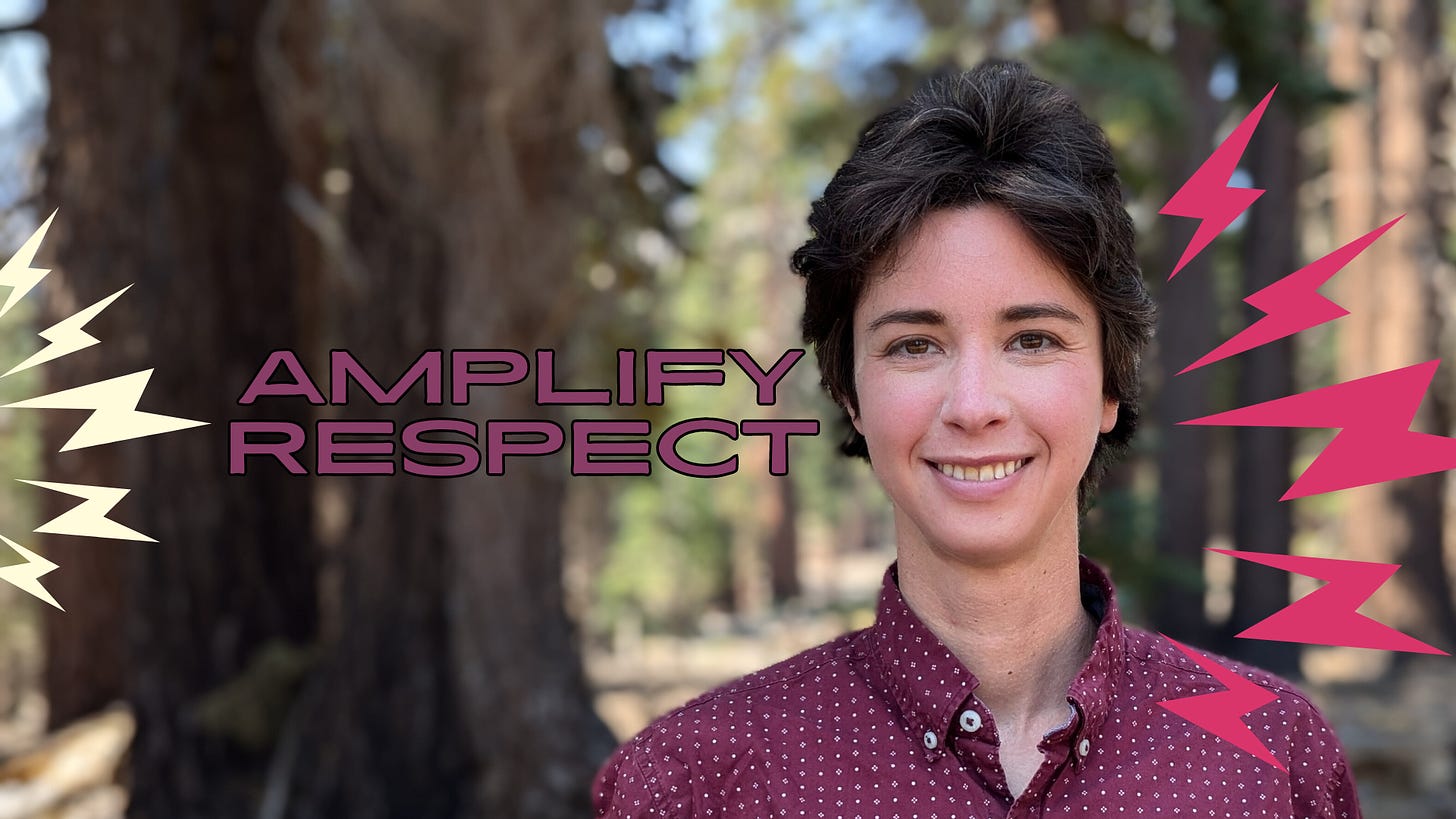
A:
x: 929, y: 684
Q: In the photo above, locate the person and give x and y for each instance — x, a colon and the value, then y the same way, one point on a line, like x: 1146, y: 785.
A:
x: 976, y: 307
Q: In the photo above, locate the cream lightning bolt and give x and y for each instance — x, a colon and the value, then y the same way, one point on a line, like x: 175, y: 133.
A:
x: 26, y: 576
x: 114, y: 414
x: 88, y: 519
x: 66, y: 335
x: 114, y: 417
x: 17, y: 274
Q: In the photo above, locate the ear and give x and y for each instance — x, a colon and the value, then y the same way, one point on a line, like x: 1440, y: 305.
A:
x: 854, y: 419
x: 1109, y: 415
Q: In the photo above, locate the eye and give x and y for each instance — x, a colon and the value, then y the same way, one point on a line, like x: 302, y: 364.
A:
x: 1034, y: 342
x: 915, y: 346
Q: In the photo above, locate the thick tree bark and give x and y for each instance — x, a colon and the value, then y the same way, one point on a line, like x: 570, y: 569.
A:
x: 167, y: 176
x: 454, y: 687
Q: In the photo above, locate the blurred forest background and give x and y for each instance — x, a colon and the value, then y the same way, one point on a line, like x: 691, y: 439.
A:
x: 389, y: 177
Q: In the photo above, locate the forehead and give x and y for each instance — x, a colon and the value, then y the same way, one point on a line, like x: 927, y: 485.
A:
x: 976, y: 257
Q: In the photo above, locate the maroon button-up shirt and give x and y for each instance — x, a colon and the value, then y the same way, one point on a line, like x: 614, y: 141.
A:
x: 884, y: 723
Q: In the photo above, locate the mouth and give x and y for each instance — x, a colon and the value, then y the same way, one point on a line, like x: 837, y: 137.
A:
x: 984, y: 473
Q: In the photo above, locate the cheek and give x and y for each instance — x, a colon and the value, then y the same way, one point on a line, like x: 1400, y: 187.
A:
x: 1069, y: 398
x: 895, y: 408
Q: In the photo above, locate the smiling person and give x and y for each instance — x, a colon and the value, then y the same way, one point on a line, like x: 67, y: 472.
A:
x: 974, y: 300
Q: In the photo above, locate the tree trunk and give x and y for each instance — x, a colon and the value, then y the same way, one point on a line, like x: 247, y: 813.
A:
x: 1382, y: 164
x: 1408, y: 117
x: 1263, y: 455
x: 1186, y: 331
x: 167, y: 176
x: 783, y: 540
x: 454, y: 688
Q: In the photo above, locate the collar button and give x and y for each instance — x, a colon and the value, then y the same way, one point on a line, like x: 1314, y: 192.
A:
x: 931, y: 740
x: 970, y: 721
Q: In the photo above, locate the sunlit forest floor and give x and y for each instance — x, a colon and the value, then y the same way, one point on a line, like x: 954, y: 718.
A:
x: 74, y: 773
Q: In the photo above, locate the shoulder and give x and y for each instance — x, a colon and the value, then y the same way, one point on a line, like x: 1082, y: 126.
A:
x: 1279, y: 714
x: 1162, y: 663
x: 675, y: 764
x: 1159, y: 667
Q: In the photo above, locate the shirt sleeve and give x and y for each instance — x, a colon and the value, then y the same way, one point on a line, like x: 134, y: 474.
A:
x: 1319, y: 770
x: 1343, y: 801
x: 633, y: 783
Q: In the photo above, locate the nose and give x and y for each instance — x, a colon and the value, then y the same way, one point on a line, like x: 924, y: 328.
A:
x: 978, y: 394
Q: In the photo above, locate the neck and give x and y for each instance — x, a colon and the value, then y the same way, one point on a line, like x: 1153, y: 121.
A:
x: 1019, y: 627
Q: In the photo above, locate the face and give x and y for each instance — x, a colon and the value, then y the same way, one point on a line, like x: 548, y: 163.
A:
x: 978, y: 368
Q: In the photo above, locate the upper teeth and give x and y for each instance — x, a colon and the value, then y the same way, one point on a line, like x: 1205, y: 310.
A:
x: 989, y: 472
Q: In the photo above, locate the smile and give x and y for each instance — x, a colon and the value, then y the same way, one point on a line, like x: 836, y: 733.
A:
x: 987, y: 472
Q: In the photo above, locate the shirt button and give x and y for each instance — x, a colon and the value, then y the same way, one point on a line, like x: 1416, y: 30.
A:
x: 970, y: 721
x: 930, y: 740
x: 1083, y: 748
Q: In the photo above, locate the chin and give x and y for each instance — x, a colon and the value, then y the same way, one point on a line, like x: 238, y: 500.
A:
x: 982, y: 552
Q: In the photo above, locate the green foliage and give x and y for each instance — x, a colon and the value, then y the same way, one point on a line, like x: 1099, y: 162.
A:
x: 671, y: 554
x: 19, y: 429
x: 1118, y: 533
x: 1256, y: 34
x: 250, y: 709
x: 1127, y: 87
x: 20, y: 454
x: 771, y: 104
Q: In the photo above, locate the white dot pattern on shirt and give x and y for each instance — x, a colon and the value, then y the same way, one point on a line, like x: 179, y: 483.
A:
x: 839, y: 731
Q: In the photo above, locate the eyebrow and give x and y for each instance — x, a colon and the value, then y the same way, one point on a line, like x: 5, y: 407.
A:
x: 1022, y: 312
x: 1015, y: 313
x: 907, y: 317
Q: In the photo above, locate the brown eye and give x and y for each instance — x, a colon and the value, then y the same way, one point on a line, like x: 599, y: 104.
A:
x: 1031, y: 341
x: 917, y: 346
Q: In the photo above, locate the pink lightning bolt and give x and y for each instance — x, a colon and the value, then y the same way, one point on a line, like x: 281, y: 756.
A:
x: 1327, y: 616
x: 1373, y: 414
x: 1293, y: 303
x: 1221, y: 713
x: 1207, y: 195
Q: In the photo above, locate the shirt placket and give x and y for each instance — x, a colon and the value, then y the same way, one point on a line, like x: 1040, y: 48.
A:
x: 1063, y: 748
x: 976, y: 744
x: 1033, y: 803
